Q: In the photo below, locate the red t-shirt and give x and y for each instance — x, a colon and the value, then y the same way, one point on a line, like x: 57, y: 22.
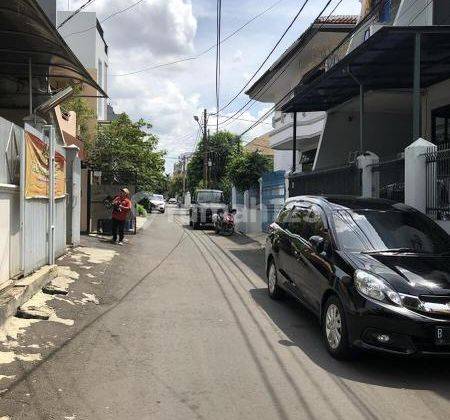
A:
x: 125, y: 207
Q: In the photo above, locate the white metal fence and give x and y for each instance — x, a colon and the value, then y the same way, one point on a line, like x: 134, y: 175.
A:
x: 26, y: 230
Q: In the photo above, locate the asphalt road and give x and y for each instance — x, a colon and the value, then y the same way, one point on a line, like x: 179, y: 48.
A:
x: 183, y: 329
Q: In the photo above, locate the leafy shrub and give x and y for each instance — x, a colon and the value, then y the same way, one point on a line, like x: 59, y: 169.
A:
x: 141, y: 210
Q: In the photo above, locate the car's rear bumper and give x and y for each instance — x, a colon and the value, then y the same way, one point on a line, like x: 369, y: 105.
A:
x: 409, y: 333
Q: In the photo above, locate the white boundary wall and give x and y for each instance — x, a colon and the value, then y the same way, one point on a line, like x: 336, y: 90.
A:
x: 25, y: 224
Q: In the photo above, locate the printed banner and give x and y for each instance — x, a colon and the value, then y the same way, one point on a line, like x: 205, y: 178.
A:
x: 37, y: 173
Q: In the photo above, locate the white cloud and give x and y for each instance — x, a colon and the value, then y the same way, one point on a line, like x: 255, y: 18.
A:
x: 162, y: 28
x: 157, y: 31
x: 238, y: 56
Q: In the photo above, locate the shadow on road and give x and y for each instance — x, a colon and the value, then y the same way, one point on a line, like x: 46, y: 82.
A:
x: 302, y: 330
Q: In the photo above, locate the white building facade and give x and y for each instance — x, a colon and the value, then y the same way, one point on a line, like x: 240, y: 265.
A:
x: 85, y: 37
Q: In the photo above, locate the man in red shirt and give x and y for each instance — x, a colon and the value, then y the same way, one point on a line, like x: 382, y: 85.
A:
x: 121, y: 208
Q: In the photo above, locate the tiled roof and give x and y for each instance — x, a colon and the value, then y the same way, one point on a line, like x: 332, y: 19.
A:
x: 339, y: 20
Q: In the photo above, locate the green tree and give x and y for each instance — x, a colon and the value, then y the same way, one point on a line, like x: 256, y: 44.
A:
x: 175, y: 187
x: 83, y: 111
x: 127, y: 154
x: 246, y: 168
x: 222, y: 146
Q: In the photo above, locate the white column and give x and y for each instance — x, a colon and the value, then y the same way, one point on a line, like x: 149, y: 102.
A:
x: 233, y: 198
x: 262, y: 212
x: 246, y: 218
x: 370, y: 181
x: 286, y: 186
x: 416, y: 173
x: 187, y: 199
x: 73, y: 175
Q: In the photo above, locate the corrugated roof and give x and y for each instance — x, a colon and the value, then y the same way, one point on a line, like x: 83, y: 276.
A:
x: 261, y: 143
x: 323, y: 24
x: 384, y: 61
x: 339, y: 20
x: 27, y: 33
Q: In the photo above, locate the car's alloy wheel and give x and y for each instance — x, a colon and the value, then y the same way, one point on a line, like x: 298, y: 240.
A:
x: 272, y: 283
x: 334, y: 329
x: 333, y: 325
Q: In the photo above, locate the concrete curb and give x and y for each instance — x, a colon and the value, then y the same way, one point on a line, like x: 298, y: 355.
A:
x: 23, y: 290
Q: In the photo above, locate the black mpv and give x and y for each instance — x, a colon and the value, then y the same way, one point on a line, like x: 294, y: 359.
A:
x: 375, y: 272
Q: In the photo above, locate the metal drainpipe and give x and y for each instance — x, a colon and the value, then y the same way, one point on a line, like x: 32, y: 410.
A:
x: 51, y: 178
x: 362, y: 110
x: 30, y: 85
x: 294, y: 144
x: 417, y: 112
x: 22, y: 202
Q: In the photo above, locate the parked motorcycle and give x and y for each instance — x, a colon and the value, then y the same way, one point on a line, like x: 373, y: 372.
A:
x: 224, y: 222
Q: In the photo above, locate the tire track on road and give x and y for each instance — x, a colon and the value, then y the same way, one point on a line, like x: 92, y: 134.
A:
x: 252, y: 350
x: 355, y: 400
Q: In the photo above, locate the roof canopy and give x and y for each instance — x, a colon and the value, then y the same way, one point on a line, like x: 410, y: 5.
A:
x: 384, y: 61
x: 27, y: 33
x: 324, y: 34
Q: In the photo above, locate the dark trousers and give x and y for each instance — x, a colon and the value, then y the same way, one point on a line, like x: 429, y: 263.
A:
x: 118, y: 225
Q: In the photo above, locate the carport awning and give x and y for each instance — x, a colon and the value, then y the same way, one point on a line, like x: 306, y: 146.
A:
x: 27, y: 33
x: 384, y: 61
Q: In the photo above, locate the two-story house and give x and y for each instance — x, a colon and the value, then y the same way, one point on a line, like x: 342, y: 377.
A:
x: 285, y: 73
x: 390, y: 90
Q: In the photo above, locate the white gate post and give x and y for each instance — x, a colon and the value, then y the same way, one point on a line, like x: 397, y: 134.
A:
x: 246, y: 211
x: 370, y: 181
x: 416, y: 173
x: 233, y: 198
x: 74, y: 195
x: 262, y: 210
x: 187, y: 199
x: 51, y: 180
x: 286, y: 186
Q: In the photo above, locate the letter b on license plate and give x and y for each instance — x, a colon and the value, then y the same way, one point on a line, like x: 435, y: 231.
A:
x: 442, y: 335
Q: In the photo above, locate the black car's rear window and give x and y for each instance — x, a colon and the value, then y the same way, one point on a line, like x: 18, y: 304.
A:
x: 368, y: 230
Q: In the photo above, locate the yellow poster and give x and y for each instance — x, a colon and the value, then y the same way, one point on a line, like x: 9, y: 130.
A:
x: 37, y: 173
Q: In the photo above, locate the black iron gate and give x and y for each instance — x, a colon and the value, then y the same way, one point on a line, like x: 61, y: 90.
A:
x: 344, y: 180
x: 391, y: 179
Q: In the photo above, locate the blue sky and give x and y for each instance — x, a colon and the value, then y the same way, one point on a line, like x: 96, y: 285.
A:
x: 157, y: 31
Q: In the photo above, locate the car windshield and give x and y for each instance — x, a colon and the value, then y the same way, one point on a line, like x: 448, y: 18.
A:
x: 397, y: 231
x: 158, y: 197
x: 210, y: 197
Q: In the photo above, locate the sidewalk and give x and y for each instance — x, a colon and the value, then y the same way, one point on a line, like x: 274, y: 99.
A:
x: 257, y: 237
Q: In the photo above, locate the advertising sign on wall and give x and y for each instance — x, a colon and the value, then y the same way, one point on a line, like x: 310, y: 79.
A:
x: 37, y: 169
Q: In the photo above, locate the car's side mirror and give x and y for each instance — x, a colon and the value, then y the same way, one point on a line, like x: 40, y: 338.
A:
x: 318, y: 244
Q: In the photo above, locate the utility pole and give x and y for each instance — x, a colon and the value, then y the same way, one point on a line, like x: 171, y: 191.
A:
x: 208, y: 185
x: 205, y: 142
x: 184, y: 176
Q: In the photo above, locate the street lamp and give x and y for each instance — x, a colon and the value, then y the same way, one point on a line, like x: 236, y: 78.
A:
x: 196, y: 118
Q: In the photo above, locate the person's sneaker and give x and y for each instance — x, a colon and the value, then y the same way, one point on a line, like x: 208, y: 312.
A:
x: 120, y: 243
